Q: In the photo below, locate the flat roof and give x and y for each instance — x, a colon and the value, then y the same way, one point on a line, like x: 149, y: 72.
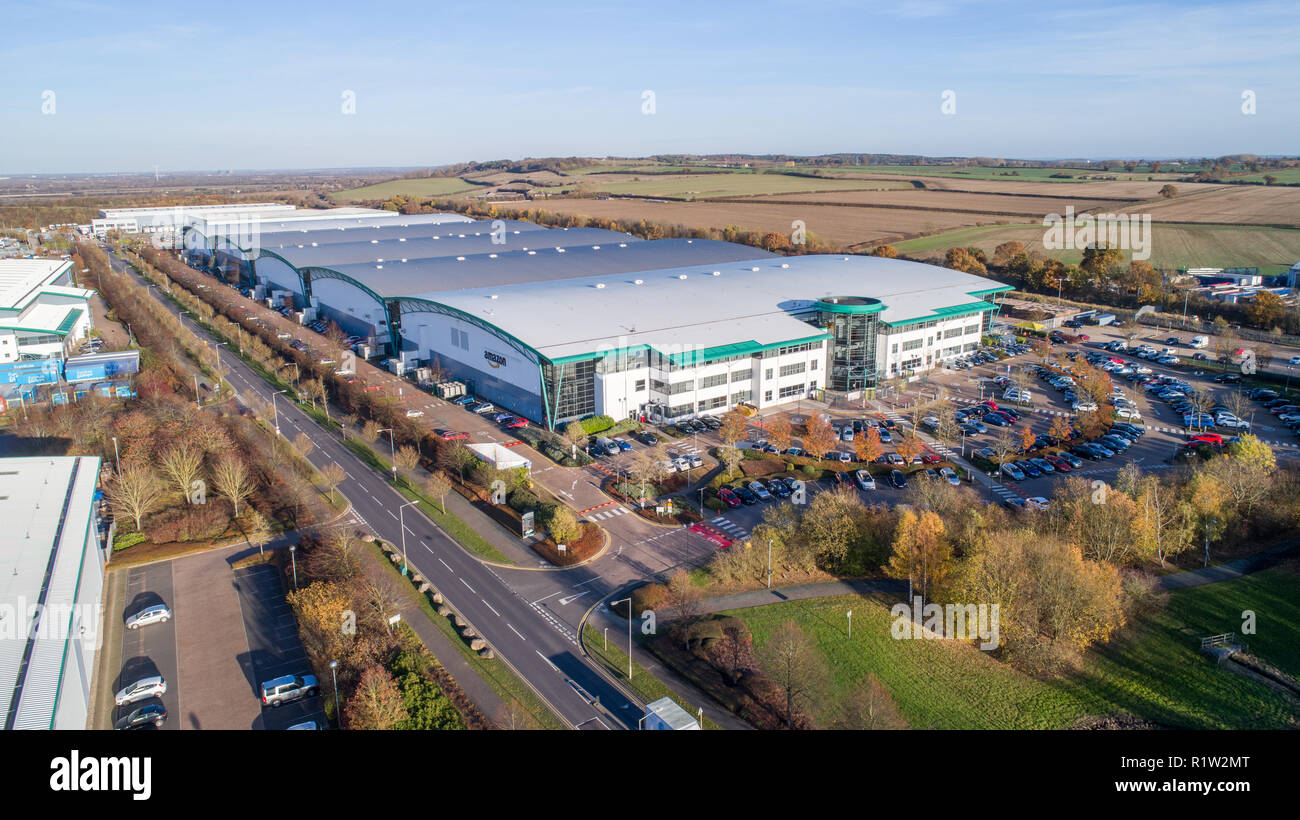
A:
x: 558, y: 255
x: 47, y: 504
x: 20, y: 278
x: 383, y: 231
x: 753, y: 303
x: 322, y: 219
x: 229, y: 207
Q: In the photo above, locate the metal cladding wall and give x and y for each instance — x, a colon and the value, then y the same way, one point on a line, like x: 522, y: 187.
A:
x: 518, y: 400
x: 43, y: 371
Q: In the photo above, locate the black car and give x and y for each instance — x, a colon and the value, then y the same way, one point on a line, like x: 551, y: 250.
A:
x: 777, y: 488
x: 897, y: 479
x: 712, y: 423
x: 1228, y: 378
x: 151, y: 714
x: 746, y: 495
x: 648, y: 439
x: 843, y: 478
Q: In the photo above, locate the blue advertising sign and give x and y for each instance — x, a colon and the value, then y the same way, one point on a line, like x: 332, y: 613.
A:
x: 41, y: 371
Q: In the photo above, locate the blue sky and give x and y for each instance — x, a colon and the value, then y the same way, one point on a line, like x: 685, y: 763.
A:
x: 259, y: 85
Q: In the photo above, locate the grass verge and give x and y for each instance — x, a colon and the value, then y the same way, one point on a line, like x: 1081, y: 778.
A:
x: 643, y: 683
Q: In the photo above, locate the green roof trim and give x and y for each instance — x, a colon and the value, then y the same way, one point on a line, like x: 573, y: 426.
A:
x: 850, y: 305
x: 989, y: 291
x: 945, y: 313
x: 68, y: 321
x: 694, y: 356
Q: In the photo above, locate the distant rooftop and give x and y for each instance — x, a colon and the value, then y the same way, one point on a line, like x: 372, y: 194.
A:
x: 21, y: 278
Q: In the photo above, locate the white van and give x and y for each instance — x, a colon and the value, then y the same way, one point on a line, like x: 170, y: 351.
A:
x: 1199, y: 342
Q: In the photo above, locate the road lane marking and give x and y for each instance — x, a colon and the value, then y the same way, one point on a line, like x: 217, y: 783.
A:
x: 467, y: 586
x: 539, y: 600
x: 489, y: 606
x: 516, y: 631
x: 448, y: 566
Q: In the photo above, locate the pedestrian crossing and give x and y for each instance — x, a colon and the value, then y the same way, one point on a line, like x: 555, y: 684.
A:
x: 603, y: 515
x: 733, y: 530
x: 1005, y: 493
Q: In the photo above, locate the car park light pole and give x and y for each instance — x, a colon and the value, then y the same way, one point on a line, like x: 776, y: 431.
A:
x: 117, y: 459
x: 392, y: 448
x: 334, y: 666
x: 293, y: 550
x: 629, y: 632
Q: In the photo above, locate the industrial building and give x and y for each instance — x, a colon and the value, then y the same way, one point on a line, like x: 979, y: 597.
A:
x: 52, y: 554
x: 558, y: 324
x: 42, y: 314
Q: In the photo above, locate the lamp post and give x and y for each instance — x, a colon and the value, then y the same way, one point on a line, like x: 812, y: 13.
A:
x: 850, y: 624
x: 117, y: 459
x: 334, y: 666
x: 392, y: 449
x: 275, y: 411
x: 401, y: 523
x: 293, y: 556
x: 629, y: 632
x: 769, y: 563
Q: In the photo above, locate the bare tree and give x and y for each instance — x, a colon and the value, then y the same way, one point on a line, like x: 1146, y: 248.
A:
x: 437, y: 485
x: 231, y: 478
x: 304, y: 444
x: 333, y: 476
x: 134, y: 493
x: 792, y: 663
x: 182, y: 464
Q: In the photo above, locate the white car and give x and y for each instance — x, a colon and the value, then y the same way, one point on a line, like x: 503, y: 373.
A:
x: 1294, y: 360
x: 844, y: 457
x: 1084, y: 407
x: 414, y: 414
x: 757, y: 488
x: 1128, y: 413
x: 156, y: 614
x: 950, y: 474
x: 1143, y: 369
x: 150, y: 687
x: 1036, y: 503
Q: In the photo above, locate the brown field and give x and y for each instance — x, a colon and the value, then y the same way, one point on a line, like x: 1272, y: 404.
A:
x: 1031, y: 206
x: 843, y: 225
x: 1136, y: 190
x: 1232, y: 205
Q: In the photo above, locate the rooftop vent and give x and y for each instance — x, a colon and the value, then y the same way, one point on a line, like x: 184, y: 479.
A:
x: 379, y: 267
x: 595, y: 247
x: 401, y: 239
x: 495, y: 296
x: 313, y: 244
x: 600, y: 285
x: 492, y: 256
x: 622, y: 244
x: 785, y: 264
x: 380, y: 259
x: 637, y: 281
x: 403, y: 258
x: 681, y: 276
x: 559, y: 250
x: 717, y: 273
x: 754, y: 269
x: 532, y: 253
x: 374, y: 242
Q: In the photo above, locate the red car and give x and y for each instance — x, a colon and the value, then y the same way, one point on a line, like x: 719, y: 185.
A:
x: 1206, y: 438
x: 515, y: 423
x: 729, y: 498
x: 930, y: 458
x: 990, y: 404
x: 1083, y: 337
x: 450, y: 435
x: 1061, y: 465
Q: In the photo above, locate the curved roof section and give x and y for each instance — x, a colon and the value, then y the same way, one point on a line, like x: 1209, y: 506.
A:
x: 751, y: 302
x: 382, y: 231
x: 555, y: 261
x: 442, y: 242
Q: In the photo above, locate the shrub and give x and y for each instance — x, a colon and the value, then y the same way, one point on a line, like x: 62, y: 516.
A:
x: 123, y: 540
x: 650, y: 596
x: 597, y: 424
x: 715, y: 504
x: 522, y: 500
x: 811, y: 471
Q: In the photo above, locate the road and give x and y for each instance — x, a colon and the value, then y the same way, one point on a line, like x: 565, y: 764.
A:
x: 545, y: 656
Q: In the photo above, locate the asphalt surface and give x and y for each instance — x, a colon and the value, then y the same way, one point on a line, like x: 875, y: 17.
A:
x: 151, y: 649
x: 273, y: 647
x: 545, y: 655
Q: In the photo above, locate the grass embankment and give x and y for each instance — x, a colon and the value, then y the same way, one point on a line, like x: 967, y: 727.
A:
x: 643, y: 683
x: 1153, y: 670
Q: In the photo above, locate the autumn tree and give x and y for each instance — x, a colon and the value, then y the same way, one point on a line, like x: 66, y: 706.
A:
x: 1168, y: 191
x: 563, y: 525
x: 867, y: 445
x: 1060, y: 429
x: 303, y: 444
x: 870, y: 705
x: 779, y: 431
x: 733, y: 653
x: 885, y: 251
x: 370, y: 431
x: 134, y: 493
x: 819, y: 437
x: 834, y: 525
x: 1027, y: 438
x: 730, y: 457
x: 231, y: 479
x: 376, y: 703
x: 332, y: 476
x: 457, y: 457
x: 733, y: 427
x: 922, y: 553
x: 910, y: 447
x: 407, y: 457
x: 1164, y: 525
x: 1245, y: 473
x: 576, y: 434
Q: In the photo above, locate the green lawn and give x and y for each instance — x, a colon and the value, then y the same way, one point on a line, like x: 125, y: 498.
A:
x: 1154, y: 670
x: 647, y: 686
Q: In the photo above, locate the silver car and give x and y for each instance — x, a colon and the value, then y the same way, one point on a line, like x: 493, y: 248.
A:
x: 156, y: 614
x: 150, y: 687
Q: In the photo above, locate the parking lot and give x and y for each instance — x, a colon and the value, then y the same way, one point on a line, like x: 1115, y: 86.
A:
x: 273, y: 647
x: 151, y: 649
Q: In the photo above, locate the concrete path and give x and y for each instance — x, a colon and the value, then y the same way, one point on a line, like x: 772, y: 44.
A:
x: 780, y: 595
x: 1230, y: 570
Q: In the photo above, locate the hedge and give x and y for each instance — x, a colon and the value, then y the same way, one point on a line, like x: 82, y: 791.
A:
x: 597, y: 424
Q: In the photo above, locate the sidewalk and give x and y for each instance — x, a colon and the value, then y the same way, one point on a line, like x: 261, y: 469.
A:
x: 802, y: 592
x: 1230, y: 570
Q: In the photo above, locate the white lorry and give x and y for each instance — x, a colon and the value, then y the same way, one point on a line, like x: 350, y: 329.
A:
x: 1199, y: 342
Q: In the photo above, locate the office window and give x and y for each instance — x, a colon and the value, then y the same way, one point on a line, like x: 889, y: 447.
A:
x: 742, y: 395
x: 681, y: 387
x: 792, y: 369
x: 912, y: 345
x: 952, y: 332
x: 712, y: 404
x: 792, y: 390
x: 813, y: 366
x: 969, y: 329
x: 767, y: 374
x: 640, y: 385
x: 767, y: 395
x: 713, y: 381
x: 742, y: 375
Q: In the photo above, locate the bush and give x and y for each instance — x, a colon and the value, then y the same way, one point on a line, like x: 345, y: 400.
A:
x: 199, y: 522
x: 811, y: 471
x: 123, y: 540
x: 522, y: 500
x: 715, y: 504
x: 597, y: 424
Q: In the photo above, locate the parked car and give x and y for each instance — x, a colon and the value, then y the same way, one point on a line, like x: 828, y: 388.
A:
x: 1012, y: 472
x: 151, y: 687
x: 414, y: 414
x: 451, y: 435
x: 864, y: 480
x: 950, y: 475
x: 288, y: 688
x: 897, y: 479
x: 623, y: 445
x: 729, y: 497
x: 745, y: 495
x: 156, y: 614
x: 151, y: 714
x: 777, y: 487
x: 648, y: 439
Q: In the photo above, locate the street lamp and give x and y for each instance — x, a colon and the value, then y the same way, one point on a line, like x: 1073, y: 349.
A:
x: 769, y: 563
x: 401, y: 523
x: 392, y: 449
x: 117, y: 460
x: 275, y: 410
x: 629, y: 632
x: 293, y: 549
x: 334, y: 665
x: 850, y: 623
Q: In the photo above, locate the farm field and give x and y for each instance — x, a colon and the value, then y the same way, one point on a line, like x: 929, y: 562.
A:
x: 1172, y: 245
x: 423, y: 187
x: 843, y: 225
x: 1031, y: 206
x: 1154, y: 671
x: 1235, y: 204
x: 1289, y: 176
x: 999, y: 174
x: 1118, y: 191
x: 535, y: 177
x: 708, y: 186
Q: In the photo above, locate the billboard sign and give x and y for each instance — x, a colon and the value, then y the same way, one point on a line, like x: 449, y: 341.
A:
x: 42, y: 371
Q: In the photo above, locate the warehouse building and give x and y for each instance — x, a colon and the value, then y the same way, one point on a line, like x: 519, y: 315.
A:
x: 42, y: 314
x: 52, y: 554
x: 557, y: 324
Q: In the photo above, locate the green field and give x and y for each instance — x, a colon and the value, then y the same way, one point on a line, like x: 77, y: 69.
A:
x: 1289, y: 176
x: 429, y: 186
x: 999, y: 174
x: 711, y: 186
x: 1173, y: 245
x: 1154, y: 671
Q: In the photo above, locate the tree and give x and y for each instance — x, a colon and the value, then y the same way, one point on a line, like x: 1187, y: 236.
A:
x: 1060, y: 429
x: 437, y: 485
x: 1245, y: 473
x: 457, y: 457
x: 869, y: 705
x: 182, y: 464
x: 513, y: 716
x: 885, y: 251
x: 733, y: 427
x: 867, y: 445
x: 910, y: 447
x: 134, y: 493
x: 230, y: 477
x: 1265, y: 309
x: 779, y: 431
x: 370, y: 431
x: 303, y: 444
x: 563, y: 525
x: 1165, y: 525
x: 730, y: 457
x: 922, y: 553
x: 376, y: 703
x: 733, y: 653
x: 407, y: 457
x: 332, y: 476
x: 1006, y: 252
x: 1027, y: 438
x: 576, y: 434
x: 961, y: 259
x: 683, y: 602
x: 833, y: 524
x: 819, y: 437
x: 793, y: 664
x: 1168, y: 191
